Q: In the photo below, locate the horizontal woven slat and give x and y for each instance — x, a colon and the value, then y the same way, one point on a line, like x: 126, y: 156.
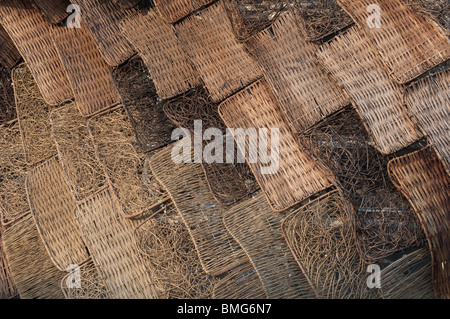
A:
x: 424, y: 181
x: 127, y: 4
x: 87, y: 71
x: 10, y: 55
x: 297, y: 176
x: 35, y: 275
x: 408, y: 43
x: 54, y: 11
x: 305, y: 92
x: 7, y: 103
x: 258, y: 230
x: 187, y: 186
x: 351, y: 59
x: 31, y: 35
x: 174, y: 10
x: 102, y: 19
x: 222, y: 62
x: 7, y: 287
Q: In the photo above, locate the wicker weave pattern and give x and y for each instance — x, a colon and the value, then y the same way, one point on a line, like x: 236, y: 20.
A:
x: 305, y: 92
x: 7, y: 105
x: 408, y: 43
x: 10, y: 56
x: 127, y: 4
x: 54, y: 11
x: 223, y: 63
x: 298, y: 175
x: 32, y: 36
x: 174, y: 10
x: 351, y: 60
x: 7, y: 287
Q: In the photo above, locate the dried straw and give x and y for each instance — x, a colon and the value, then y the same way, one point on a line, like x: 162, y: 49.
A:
x: 435, y: 10
x: 8, y: 289
x: 173, y: 10
x: 54, y: 11
x: 9, y: 56
x: 7, y: 105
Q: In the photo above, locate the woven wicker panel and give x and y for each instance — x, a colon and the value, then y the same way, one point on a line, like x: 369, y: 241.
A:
x: 109, y: 238
x: 54, y: 11
x: 76, y: 152
x: 408, y: 277
x: 7, y: 287
x: 7, y: 104
x: 435, y: 10
x: 383, y: 219
x: 9, y: 56
x: 258, y: 230
x: 223, y: 63
x: 429, y: 101
x: 424, y: 181
x: 127, y: 4
x: 174, y: 10
x: 102, y: 19
x: 88, y: 73
x: 52, y: 206
x: 167, y: 62
x: 123, y: 165
x: 35, y: 275
x: 188, y: 188
x: 298, y: 175
x: 305, y: 92
x: 350, y: 58
x: 31, y: 35
x: 322, y: 238
x: 33, y: 115
x: 137, y: 90
x: 408, y: 43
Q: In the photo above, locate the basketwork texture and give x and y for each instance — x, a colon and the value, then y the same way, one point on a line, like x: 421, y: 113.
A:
x: 168, y: 64
x: 127, y: 4
x: 258, y: 230
x: 322, y: 238
x: 137, y: 90
x: 349, y: 57
x: 31, y: 35
x: 33, y: 115
x: 7, y: 287
x: 424, y: 181
x: 52, y: 207
x: 9, y: 56
x: 429, y: 101
x: 54, y: 11
x: 305, y: 92
x: 436, y: 10
x: 35, y: 275
x: 298, y: 176
x: 187, y: 186
x: 408, y: 43
x: 87, y: 71
x: 7, y: 104
x: 102, y: 19
x: 109, y: 238
x: 173, y: 10
x: 76, y: 152
x: 223, y: 63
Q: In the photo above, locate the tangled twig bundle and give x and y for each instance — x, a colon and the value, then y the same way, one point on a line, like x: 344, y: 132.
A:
x: 88, y: 286
x: 436, y: 10
x: 7, y: 105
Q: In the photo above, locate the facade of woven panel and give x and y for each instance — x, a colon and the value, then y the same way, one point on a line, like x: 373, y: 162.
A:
x: 305, y: 92
x: 10, y: 55
x: 127, y: 4
x: 424, y: 181
x: 31, y: 35
x: 87, y: 71
x: 294, y: 175
x: 174, y: 10
x: 7, y: 103
x: 257, y: 229
x: 435, y: 10
x: 409, y: 44
x: 188, y: 188
x: 350, y: 58
x: 8, y: 289
x: 54, y: 11
x: 222, y: 62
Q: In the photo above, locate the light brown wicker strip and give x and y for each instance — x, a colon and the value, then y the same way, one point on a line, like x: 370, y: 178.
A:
x: 32, y: 36
x: 223, y: 63
x: 10, y: 55
x: 8, y: 288
x: 54, y: 11
x: 109, y: 238
x: 351, y: 59
x: 408, y: 43
x: 127, y: 4
x: 174, y: 10
x: 298, y: 176
x: 424, y: 181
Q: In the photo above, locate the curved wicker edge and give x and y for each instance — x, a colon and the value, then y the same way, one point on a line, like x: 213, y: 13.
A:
x: 10, y: 56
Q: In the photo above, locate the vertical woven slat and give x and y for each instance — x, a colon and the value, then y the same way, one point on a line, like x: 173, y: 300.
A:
x: 174, y: 10
x: 10, y: 55
x: 7, y: 287
x: 54, y: 11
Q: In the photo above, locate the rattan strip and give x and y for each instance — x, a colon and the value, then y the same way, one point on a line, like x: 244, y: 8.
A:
x: 7, y: 104
x: 429, y: 101
x: 35, y: 275
x: 322, y: 238
x: 127, y: 4
x: 174, y: 10
x: 296, y: 175
x: 409, y: 44
x: 435, y: 10
x: 424, y: 181
x: 87, y: 71
x: 9, y: 56
x: 102, y: 19
x: 52, y: 207
x: 350, y: 58
x: 113, y: 137
x: 138, y: 93
x: 168, y: 64
x: 109, y: 238
x: 258, y: 230
x: 54, y: 11
x: 187, y: 186
x: 222, y: 62
x: 33, y: 115
x: 8, y: 288
x: 31, y: 35
x: 305, y: 92
x: 76, y: 152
